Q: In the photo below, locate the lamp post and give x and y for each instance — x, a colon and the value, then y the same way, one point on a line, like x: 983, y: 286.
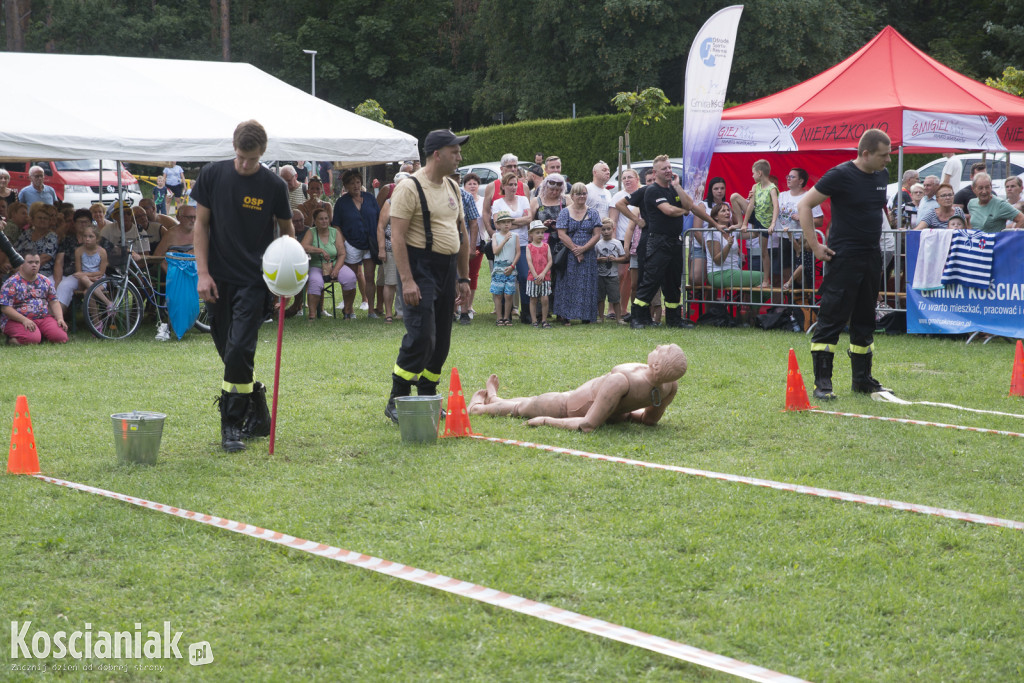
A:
x: 312, y: 69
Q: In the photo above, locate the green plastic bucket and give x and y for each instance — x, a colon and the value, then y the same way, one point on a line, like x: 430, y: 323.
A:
x: 418, y: 418
x: 137, y: 436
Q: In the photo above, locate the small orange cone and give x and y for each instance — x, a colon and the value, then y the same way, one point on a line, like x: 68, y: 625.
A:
x: 796, y: 393
x: 22, y: 458
x: 457, y: 422
x: 1017, y: 381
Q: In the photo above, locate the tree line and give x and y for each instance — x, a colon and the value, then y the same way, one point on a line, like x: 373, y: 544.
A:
x: 464, y: 63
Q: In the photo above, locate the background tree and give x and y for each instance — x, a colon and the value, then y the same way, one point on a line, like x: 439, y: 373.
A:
x: 1012, y: 81
x: 461, y: 63
x: 372, y: 110
x: 647, y: 106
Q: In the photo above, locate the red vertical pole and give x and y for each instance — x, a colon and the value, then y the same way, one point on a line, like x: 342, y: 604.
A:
x: 277, y: 373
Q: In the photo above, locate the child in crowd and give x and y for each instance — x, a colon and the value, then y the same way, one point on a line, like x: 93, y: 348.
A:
x: 957, y: 223
x: 633, y: 233
x: 160, y: 194
x: 803, y: 274
x: 538, y: 282
x: 503, y: 277
x: 90, y: 260
x: 609, y: 254
x: 761, y: 209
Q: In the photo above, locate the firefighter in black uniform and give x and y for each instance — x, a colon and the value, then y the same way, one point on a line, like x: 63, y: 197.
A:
x: 666, y: 205
x: 850, y: 287
x: 239, y: 203
x: 430, y: 246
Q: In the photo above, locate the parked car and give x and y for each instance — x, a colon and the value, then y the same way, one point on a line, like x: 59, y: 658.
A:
x: 640, y: 166
x: 996, y: 168
x: 78, y: 181
x: 488, y: 172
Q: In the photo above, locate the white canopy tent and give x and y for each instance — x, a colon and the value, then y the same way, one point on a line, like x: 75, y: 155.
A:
x: 194, y: 123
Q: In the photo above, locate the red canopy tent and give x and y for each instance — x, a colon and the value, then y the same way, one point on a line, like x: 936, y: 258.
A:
x: 888, y: 84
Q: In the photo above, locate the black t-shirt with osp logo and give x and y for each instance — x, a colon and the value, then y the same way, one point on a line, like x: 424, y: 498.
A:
x: 243, y: 213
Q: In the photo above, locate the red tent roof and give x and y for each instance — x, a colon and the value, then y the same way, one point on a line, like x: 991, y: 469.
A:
x: 887, y: 84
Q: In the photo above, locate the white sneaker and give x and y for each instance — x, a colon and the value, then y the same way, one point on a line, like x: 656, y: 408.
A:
x: 163, y: 332
x: 472, y: 314
x: 364, y: 306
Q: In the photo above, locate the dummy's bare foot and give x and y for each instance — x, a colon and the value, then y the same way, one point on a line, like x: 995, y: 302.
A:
x: 492, y: 388
x: 476, y: 402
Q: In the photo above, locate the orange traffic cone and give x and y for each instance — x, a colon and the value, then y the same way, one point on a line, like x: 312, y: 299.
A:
x: 796, y: 393
x: 1017, y: 380
x: 22, y: 458
x: 457, y: 422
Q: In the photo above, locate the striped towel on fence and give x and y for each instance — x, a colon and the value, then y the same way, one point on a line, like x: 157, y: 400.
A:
x: 970, y: 259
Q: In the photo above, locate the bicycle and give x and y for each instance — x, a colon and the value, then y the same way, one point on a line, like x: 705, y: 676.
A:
x: 115, y: 304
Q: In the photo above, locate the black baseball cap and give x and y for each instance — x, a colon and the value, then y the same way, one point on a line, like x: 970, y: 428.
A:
x: 436, y: 139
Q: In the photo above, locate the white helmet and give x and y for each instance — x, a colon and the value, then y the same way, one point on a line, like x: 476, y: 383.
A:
x: 285, y: 266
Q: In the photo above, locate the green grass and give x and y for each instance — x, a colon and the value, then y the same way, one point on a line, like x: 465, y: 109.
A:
x: 815, y: 588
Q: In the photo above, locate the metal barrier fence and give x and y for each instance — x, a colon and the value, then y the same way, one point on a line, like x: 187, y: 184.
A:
x: 778, y: 273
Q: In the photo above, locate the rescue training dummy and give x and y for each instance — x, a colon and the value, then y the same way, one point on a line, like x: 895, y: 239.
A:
x: 634, y: 392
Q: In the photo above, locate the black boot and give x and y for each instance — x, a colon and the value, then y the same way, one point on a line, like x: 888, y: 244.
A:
x: 639, y: 316
x: 399, y: 387
x: 674, y: 318
x: 232, y: 416
x: 8, y: 249
x: 822, y: 361
x: 863, y: 382
x: 257, y: 417
x: 424, y: 387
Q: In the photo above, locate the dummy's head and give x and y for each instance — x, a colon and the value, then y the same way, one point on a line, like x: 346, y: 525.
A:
x: 667, y: 362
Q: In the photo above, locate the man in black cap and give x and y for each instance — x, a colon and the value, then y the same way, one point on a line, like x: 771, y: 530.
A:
x: 534, y: 176
x: 430, y: 245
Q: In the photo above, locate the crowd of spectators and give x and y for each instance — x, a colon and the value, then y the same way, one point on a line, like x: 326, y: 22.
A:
x: 757, y: 245
x: 71, y: 249
x: 593, y: 237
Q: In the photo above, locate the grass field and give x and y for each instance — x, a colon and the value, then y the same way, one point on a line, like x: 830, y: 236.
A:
x: 814, y: 588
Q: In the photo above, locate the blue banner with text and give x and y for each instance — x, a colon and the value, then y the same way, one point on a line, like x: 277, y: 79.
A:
x: 959, y: 309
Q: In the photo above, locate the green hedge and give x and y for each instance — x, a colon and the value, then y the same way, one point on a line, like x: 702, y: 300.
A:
x: 579, y: 142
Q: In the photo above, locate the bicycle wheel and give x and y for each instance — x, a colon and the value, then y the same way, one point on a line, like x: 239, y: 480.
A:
x: 202, y: 323
x: 113, y: 308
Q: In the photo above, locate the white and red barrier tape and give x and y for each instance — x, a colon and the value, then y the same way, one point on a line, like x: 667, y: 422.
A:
x: 923, y: 423
x: 778, y: 485
x: 970, y: 410
x: 474, y: 591
x: 888, y: 397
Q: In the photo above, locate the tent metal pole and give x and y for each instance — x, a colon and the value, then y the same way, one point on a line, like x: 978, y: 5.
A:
x: 120, y: 202
x: 899, y: 190
x: 899, y: 227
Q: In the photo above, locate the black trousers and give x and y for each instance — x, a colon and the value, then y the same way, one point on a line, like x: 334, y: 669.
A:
x: 849, y: 292
x: 662, y: 266
x: 428, y: 325
x: 235, y: 320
